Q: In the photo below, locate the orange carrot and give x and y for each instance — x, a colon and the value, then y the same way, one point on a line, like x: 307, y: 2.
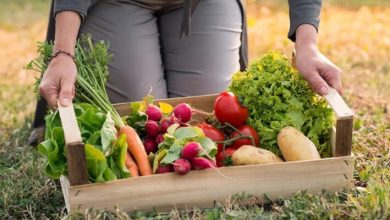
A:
x: 131, y: 165
x: 137, y: 150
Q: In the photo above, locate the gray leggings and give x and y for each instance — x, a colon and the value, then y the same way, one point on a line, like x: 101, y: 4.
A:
x: 148, y: 52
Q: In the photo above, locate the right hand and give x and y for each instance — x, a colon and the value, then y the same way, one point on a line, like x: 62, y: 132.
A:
x: 58, y: 82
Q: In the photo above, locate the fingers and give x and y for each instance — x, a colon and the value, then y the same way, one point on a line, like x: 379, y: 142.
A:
x: 66, y: 93
x: 334, y: 79
x: 317, y: 83
x: 331, y: 74
x: 50, y: 93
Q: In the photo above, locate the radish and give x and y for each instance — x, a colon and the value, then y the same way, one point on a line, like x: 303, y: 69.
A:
x: 201, y: 163
x: 152, y: 129
x: 150, y: 146
x: 183, y: 112
x: 191, y: 150
x: 165, y: 123
x: 182, y: 166
x: 153, y: 112
x: 164, y: 168
x: 159, y: 138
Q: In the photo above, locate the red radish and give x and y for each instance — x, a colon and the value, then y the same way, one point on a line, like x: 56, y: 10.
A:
x: 165, y: 123
x: 201, y: 163
x: 152, y: 129
x: 181, y: 166
x: 191, y: 150
x: 150, y: 146
x: 164, y: 168
x: 183, y: 112
x: 159, y: 138
x: 153, y: 112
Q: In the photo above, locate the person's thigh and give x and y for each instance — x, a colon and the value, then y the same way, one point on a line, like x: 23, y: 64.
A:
x: 132, y: 34
x: 203, y: 62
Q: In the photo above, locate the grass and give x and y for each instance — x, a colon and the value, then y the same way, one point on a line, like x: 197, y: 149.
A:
x: 356, y: 38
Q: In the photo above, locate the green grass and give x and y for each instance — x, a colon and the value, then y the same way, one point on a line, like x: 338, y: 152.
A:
x: 26, y: 193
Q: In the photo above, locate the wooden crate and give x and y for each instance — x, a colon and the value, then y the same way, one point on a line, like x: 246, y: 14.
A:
x: 202, y: 188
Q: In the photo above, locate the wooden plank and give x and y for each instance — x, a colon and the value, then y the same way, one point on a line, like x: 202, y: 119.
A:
x: 344, y: 137
x: 69, y: 123
x: 65, y: 190
x: 204, y: 102
x: 202, y: 188
x: 338, y: 104
x: 77, y: 165
x: 333, y: 141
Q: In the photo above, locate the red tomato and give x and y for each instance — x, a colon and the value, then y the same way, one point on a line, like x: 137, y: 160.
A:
x: 228, y: 109
x: 225, y: 159
x: 212, y: 133
x: 245, y: 130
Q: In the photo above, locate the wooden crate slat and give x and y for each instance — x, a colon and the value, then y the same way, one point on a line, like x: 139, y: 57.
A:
x: 202, y: 188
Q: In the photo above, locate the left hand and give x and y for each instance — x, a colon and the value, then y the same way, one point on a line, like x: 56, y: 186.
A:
x: 318, y: 70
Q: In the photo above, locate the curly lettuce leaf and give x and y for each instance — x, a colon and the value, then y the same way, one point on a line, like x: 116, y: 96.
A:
x: 277, y: 96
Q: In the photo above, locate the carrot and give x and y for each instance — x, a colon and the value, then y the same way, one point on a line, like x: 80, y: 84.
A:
x: 131, y: 165
x: 136, y: 147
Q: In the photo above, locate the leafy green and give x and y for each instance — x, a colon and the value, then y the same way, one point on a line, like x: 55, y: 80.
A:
x: 105, y: 153
x: 96, y: 163
x: 277, y: 96
x: 108, y: 134
x: 137, y: 118
x: 118, y: 157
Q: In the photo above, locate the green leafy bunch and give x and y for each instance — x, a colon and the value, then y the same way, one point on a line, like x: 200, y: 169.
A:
x: 105, y: 154
x: 277, y: 96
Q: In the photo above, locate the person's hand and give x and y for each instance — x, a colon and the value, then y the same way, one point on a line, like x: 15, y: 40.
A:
x: 318, y: 70
x: 58, y: 82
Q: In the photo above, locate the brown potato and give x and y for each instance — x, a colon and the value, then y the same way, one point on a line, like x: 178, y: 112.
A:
x: 296, y: 146
x: 250, y: 155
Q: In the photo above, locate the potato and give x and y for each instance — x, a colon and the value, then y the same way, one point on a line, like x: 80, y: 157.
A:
x: 296, y: 146
x: 250, y: 155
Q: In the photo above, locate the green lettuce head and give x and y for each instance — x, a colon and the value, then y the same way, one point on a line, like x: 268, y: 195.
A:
x: 277, y: 96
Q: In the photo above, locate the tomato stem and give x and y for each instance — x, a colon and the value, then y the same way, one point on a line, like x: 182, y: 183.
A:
x: 241, y: 136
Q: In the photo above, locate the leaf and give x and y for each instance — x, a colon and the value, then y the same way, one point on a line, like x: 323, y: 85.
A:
x: 92, y: 119
x: 96, y: 163
x: 108, y: 134
x: 165, y: 108
x: 208, y: 145
x: 148, y: 100
x: 171, y: 129
x: 137, y: 120
x: 119, y: 156
x: 173, y: 154
x: 188, y: 132
x: 135, y: 106
x: 109, y: 175
x: 94, y: 139
x: 157, y: 159
x: 56, y: 163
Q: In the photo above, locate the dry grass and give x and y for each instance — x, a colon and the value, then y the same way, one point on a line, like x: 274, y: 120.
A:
x: 357, y: 39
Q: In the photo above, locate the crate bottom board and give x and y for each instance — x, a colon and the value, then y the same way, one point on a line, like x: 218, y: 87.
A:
x: 163, y: 192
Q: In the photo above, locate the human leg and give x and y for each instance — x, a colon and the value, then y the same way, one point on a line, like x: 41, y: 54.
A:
x: 203, y: 62
x: 132, y: 34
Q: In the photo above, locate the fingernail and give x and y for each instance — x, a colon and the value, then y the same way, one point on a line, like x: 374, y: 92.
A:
x: 65, y: 101
x: 324, y: 90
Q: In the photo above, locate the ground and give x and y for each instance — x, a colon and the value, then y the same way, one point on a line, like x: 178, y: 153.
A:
x: 354, y: 34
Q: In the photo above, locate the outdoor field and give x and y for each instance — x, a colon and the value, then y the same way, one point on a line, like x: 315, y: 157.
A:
x: 354, y: 34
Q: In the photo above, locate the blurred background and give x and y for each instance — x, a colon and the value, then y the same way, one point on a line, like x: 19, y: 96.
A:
x: 354, y: 34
